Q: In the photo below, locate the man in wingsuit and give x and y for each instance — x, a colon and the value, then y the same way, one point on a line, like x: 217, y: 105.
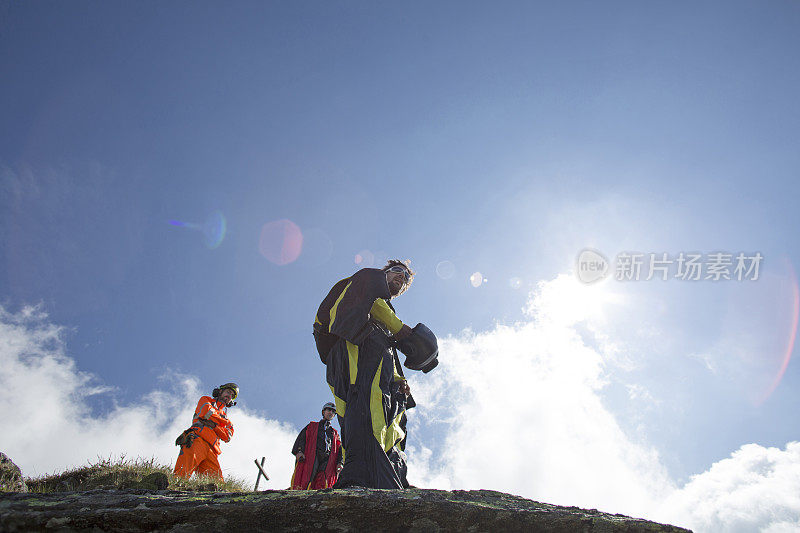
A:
x: 319, y: 453
x: 200, y: 447
x: 356, y: 331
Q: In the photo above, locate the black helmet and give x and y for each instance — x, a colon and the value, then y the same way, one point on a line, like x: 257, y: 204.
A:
x: 420, y: 348
x: 232, y: 386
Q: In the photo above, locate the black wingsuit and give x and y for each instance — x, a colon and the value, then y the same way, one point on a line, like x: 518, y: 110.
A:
x: 352, y: 330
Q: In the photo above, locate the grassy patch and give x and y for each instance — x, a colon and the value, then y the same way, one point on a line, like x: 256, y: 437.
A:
x: 124, y: 473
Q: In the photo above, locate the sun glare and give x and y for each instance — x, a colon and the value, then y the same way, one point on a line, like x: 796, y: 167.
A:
x: 567, y: 301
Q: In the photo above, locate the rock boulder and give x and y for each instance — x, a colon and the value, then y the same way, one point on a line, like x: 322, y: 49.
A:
x: 10, y: 476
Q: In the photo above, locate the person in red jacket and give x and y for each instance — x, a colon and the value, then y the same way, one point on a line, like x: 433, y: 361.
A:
x: 200, y: 443
x: 319, y: 453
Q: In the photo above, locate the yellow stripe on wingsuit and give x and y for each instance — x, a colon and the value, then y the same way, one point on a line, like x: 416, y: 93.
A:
x: 400, y: 434
x: 336, y: 305
x: 386, y: 436
x: 376, y: 407
x: 341, y: 405
x: 381, y: 311
x: 352, y: 355
x: 393, y: 434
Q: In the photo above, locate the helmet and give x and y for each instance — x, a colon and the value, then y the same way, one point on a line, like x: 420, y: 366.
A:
x: 328, y: 405
x: 421, y: 349
x: 232, y: 386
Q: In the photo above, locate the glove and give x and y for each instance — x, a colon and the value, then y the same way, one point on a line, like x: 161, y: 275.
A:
x: 404, y: 332
x: 186, y: 438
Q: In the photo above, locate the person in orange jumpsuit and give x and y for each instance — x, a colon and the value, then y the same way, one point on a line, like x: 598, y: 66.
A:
x: 200, y: 443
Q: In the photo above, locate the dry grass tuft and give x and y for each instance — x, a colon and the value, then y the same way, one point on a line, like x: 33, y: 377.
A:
x: 124, y: 473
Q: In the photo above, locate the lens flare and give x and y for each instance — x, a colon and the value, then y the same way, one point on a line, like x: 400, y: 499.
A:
x: 515, y: 283
x: 476, y: 279
x: 213, y: 229
x: 445, y: 269
x: 792, y: 337
x: 281, y: 241
x: 365, y: 259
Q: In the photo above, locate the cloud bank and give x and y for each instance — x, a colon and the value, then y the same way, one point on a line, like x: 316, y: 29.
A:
x: 518, y: 408
x: 521, y: 410
x: 755, y: 489
x: 47, y: 398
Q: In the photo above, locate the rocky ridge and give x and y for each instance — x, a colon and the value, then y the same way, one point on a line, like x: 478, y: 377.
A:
x: 340, y: 510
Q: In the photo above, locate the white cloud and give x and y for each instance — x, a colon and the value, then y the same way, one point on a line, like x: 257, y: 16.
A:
x: 638, y: 392
x: 45, y: 395
x: 521, y: 411
x: 755, y: 489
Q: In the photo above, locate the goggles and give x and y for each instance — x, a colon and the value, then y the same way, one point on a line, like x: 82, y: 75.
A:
x: 401, y: 270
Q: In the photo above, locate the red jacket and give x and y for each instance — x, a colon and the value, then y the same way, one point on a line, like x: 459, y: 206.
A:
x: 303, y: 475
x: 211, y: 422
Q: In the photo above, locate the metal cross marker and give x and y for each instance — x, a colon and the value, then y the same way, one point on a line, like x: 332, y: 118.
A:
x: 260, y: 472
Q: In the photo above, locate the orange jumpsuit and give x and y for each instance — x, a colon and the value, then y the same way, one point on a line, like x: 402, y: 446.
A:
x: 209, y: 425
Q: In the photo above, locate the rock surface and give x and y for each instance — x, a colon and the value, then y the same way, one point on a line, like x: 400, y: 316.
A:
x: 342, y: 510
x: 11, y: 476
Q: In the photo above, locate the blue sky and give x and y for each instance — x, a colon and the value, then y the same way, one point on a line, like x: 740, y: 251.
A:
x: 504, y: 138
